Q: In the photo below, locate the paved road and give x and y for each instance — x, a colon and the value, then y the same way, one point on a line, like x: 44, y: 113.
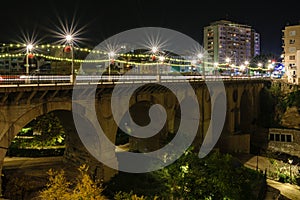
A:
x: 23, y: 162
x: 287, y: 190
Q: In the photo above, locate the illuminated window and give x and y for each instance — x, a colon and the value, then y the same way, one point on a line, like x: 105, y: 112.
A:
x: 292, y: 49
x: 292, y: 33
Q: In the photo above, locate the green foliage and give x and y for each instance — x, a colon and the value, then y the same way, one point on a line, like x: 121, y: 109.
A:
x: 217, y: 176
x: 293, y: 99
x: 50, y: 134
x: 148, y: 185
x: 273, y: 104
x: 283, y: 178
x: 50, y: 129
x: 59, y: 188
x: 130, y: 196
x: 262, y: 58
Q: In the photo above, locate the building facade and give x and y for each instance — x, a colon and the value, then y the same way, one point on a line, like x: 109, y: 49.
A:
x: 224, y: 40
x: 291, y: 52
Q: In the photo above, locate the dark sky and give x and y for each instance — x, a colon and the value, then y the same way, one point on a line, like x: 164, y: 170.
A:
x: 102, y: 19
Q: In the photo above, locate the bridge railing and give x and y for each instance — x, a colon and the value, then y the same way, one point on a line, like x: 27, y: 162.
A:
x: 106, y: 79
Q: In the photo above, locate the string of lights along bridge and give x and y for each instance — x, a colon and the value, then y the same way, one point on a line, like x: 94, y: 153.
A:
x: 143, y: 63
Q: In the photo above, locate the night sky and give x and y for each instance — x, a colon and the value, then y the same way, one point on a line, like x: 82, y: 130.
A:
x: 102, y: 19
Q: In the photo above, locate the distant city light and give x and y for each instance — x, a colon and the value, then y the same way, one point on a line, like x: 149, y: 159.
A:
x: 161, y: 58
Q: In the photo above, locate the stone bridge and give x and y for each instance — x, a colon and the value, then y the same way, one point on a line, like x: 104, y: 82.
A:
x: 20, y: 105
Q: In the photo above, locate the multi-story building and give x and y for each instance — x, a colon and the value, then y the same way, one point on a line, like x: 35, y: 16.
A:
x: 224, y: 40
x: 291, y: 52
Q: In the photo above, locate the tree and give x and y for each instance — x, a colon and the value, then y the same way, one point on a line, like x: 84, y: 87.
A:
x: 217, y: 176
x: 50, y: 129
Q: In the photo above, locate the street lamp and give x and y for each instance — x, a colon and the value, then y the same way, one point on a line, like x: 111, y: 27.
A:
x: 200, y: 56
x: 69, y: 40
x: 154, y: 50
x: 290, y: 162
x: 111, y: 55
x: 227, y: 60
x: 247, y: 67
x: 29, y: 48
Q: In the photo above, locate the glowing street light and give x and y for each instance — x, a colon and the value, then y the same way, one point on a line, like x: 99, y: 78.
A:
x: 154, y: 49
x: 242, y: 68
x: 200, y: 56
x: 227, y: 60
x: 161, y: 58
x: 69, y: 40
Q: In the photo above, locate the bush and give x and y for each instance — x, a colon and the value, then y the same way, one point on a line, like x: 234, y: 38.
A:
x: 59, y: 188
x: 283, y: 178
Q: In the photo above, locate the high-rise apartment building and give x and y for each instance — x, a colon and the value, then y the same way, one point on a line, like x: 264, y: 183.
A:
x: 291, y: 52
x: 225, y: 40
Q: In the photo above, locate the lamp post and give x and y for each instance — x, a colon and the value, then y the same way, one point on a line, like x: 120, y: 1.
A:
x: 111, y: 55
x: 247, y: 67
x: 29, y: 48
x: 290, y: 162
x: 228, y: 60
x: 69, y: 40
x: 154, y: 50
x: 200, y: 56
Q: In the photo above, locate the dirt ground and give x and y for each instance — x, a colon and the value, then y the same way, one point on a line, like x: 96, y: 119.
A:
x: 24, y: 177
